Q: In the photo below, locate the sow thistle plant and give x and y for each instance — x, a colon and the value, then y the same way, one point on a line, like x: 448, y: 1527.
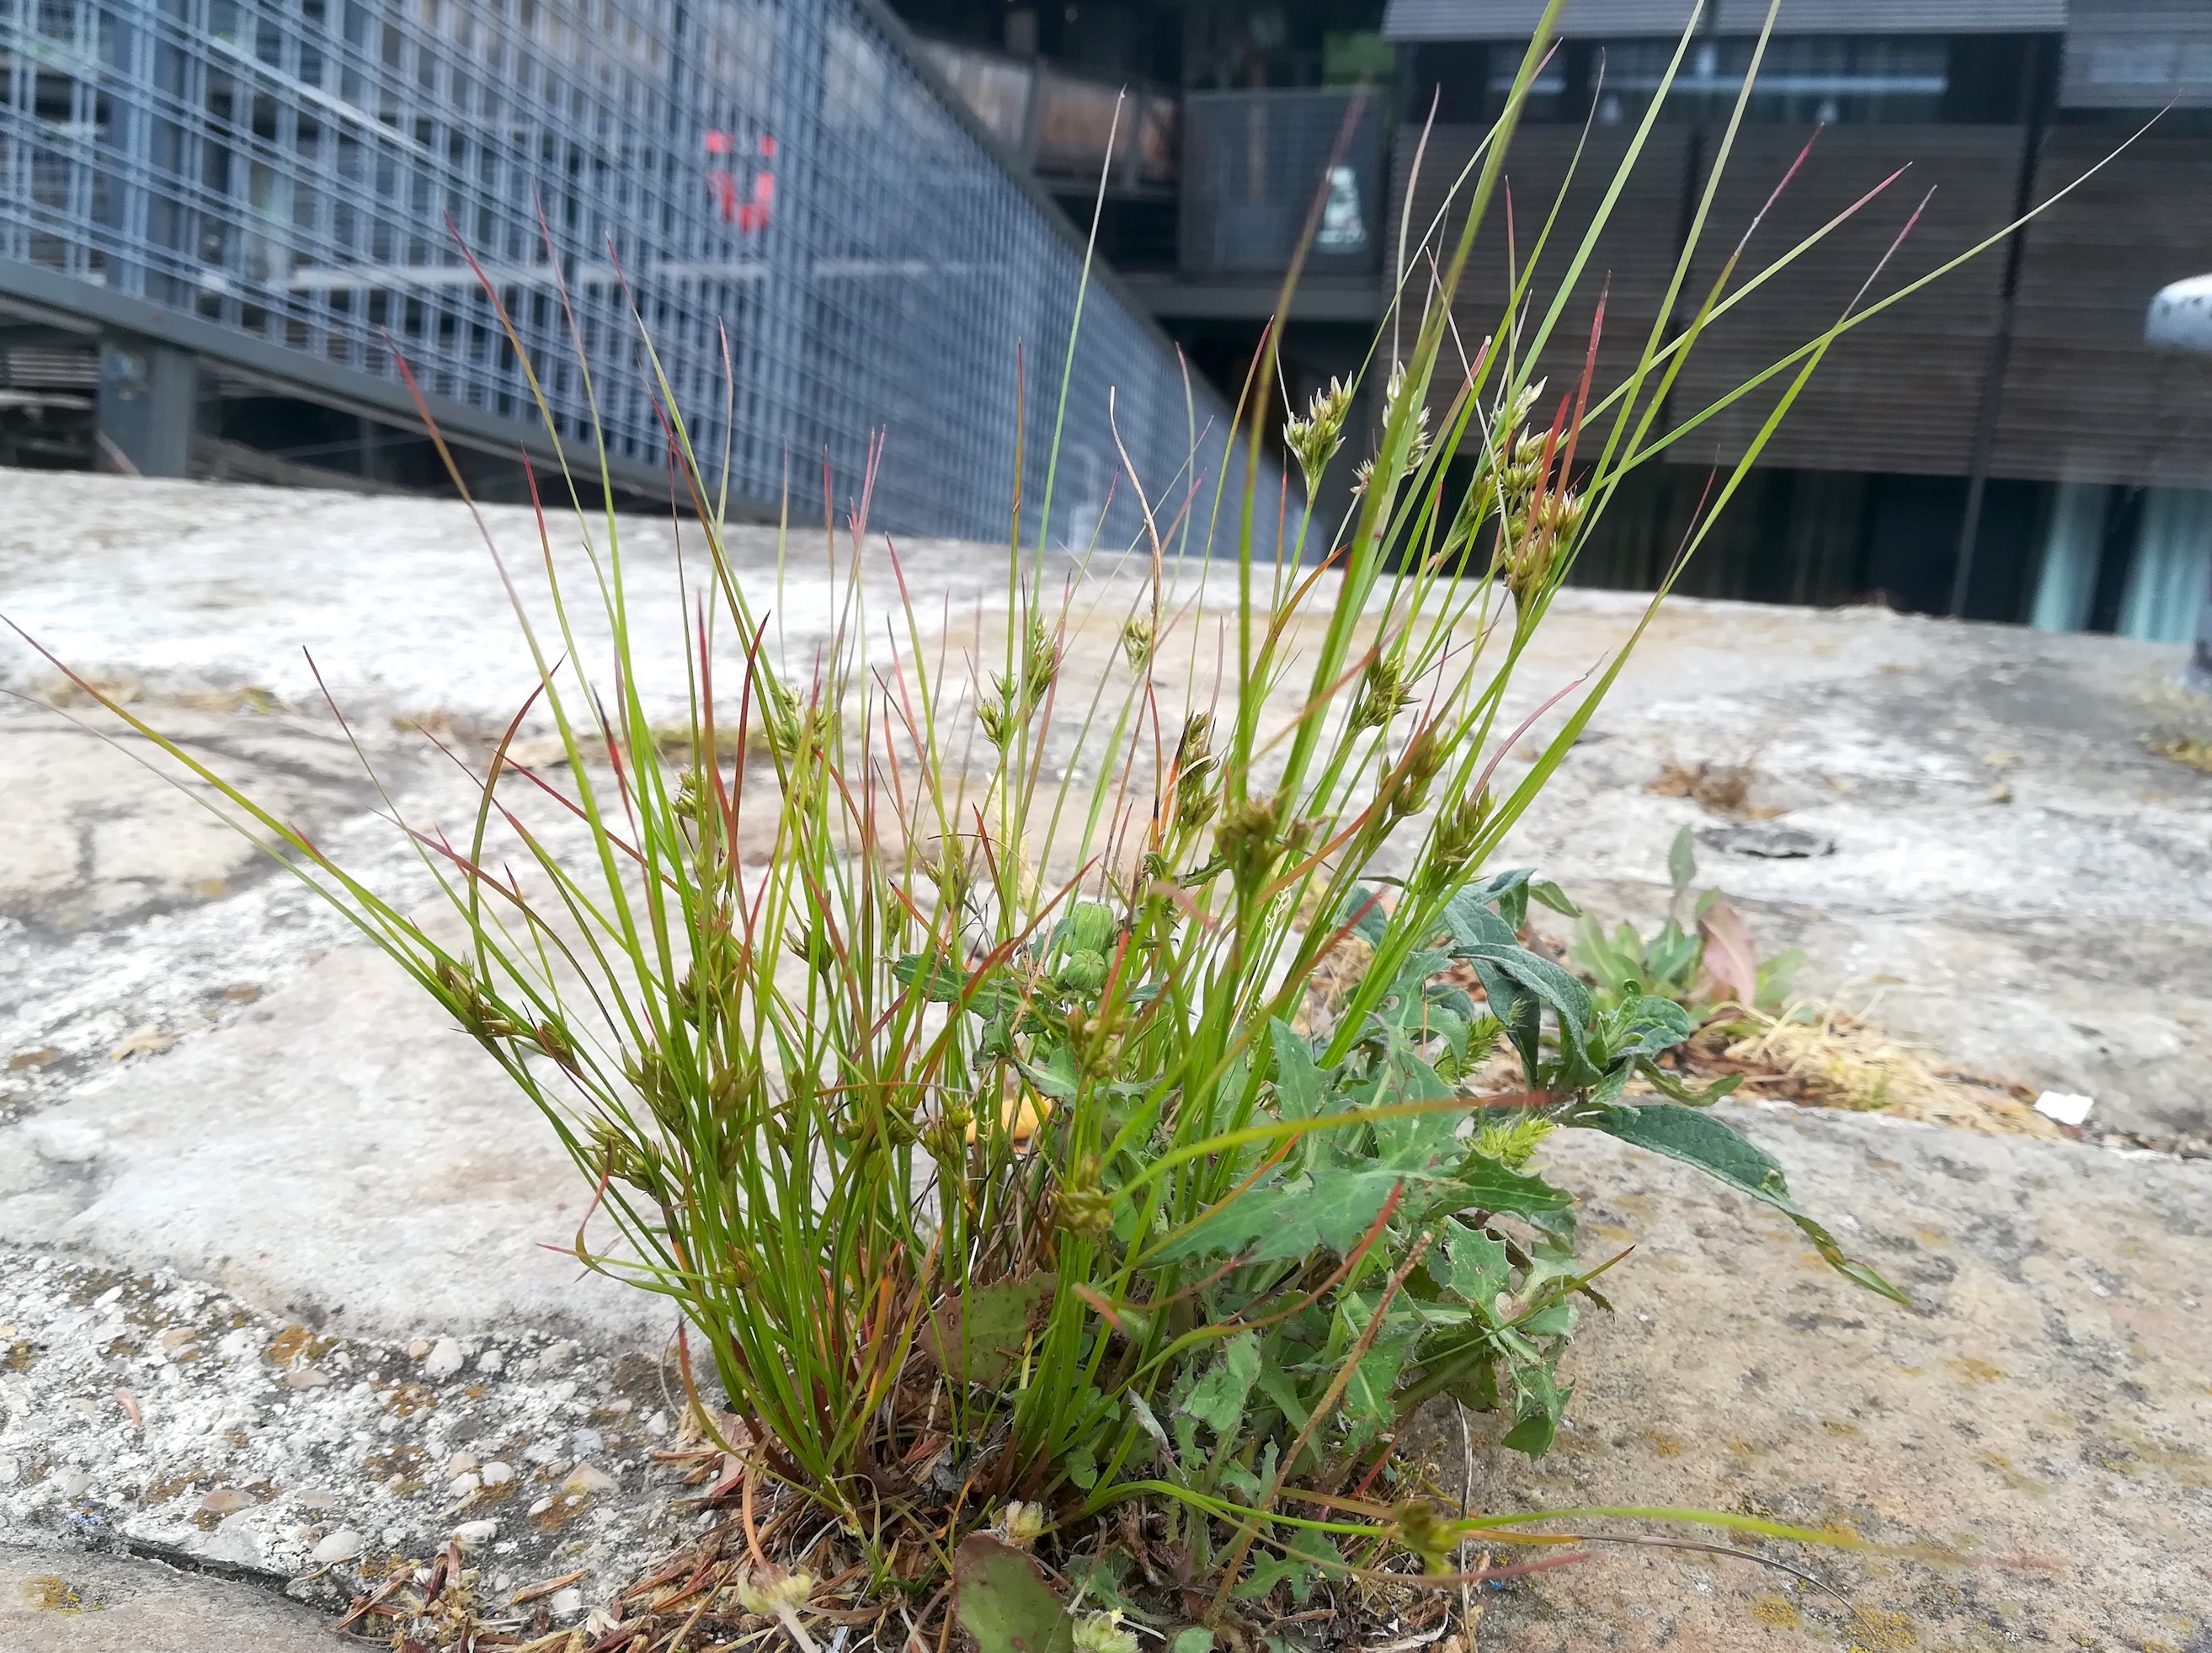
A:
x: 1020, y: 1151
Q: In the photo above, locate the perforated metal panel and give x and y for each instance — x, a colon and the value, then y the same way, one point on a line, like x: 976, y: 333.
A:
x: 775, y: 183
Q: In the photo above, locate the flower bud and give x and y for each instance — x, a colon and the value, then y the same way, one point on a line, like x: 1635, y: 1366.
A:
x: 1400, y: 387
x: 999, y: 717
x: 1424, y: 760
x: 773, y: 1593
x: 1195, y: 799
x: 1137, y: 643
x: 1539, y: 537
x: 1313, y: 440
x: 1382, y: 692
x: 1083, y: 971
x: 1423, y: 1528
x: 1040, y: 665
x: 1023, y: 1523
x: 1246, y: 839
x: 1090, y: 927
x: 783, y: 715
x: 551, y: 1037
x: 1101, y: 1632
x: 947, y: 1136
x: 1456, y: 836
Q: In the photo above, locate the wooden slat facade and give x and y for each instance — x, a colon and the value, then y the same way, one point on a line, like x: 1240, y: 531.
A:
x: 1901, y: 392
x: 1901, y: 395
x: 2138, y: 54
x: 1506, y: 20
x: 1630, y: 264
x: 1891, y: 16
x: 2084, y: 398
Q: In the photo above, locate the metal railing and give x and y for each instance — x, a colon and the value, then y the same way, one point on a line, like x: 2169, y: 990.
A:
x: 1064, y: 124
x: 775, y: 187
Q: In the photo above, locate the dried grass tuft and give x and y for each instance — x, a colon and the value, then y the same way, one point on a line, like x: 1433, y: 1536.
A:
x: 2195, y: 750
x: 1718, y: 789
x: 1842, y: 1059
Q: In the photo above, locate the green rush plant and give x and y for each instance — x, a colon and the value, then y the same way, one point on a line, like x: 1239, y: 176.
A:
x: 1003, y: 1137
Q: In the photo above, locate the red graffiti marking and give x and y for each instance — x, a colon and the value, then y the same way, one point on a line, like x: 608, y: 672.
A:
x: 748, y: 212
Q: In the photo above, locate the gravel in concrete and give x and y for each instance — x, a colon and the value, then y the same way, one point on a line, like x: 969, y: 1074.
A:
x: 151, y: 1412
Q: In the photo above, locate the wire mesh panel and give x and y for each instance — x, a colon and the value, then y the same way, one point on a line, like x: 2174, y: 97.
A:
x: 768, y: 184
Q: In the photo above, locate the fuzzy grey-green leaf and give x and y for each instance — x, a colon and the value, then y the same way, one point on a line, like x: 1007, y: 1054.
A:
x: 1003, y: 1601
x: 1470, y: 1266
x: 1697, y: 1139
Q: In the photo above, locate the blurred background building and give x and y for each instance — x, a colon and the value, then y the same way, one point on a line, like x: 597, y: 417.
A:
x: 2009, y: 445
x: 877, y: 207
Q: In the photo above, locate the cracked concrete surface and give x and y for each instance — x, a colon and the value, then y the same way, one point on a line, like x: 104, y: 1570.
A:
x: 2016, y: 882
x: 2043, y: 1406
x: 209, y: 1086
x: 69, y: 1601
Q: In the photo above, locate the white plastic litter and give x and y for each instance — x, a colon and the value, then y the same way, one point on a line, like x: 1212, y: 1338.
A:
x: 2066, y: 1109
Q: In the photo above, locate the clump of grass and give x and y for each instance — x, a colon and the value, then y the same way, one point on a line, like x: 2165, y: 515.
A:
x: 978, y: 1130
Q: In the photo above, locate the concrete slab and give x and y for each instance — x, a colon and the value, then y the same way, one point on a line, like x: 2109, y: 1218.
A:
x: 54, y: 1601
x: 2015, y: 882
x: 394, y: 607
x: 379, y: 1171
x: 217, y: 1092
x: 2043, y: 1406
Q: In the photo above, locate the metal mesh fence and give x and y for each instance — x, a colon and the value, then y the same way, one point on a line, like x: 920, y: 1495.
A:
x: 767, y: 181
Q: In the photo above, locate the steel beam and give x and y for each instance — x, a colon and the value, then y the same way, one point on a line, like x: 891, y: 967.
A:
x: 62, y: 307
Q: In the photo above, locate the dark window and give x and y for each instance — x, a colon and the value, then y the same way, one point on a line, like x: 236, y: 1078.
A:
x: 1802, y: 78
x: 1992, y: 79
x: 1455, y: 77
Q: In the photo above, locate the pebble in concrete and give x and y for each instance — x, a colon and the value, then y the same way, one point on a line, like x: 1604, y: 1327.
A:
x: 443, y: 1360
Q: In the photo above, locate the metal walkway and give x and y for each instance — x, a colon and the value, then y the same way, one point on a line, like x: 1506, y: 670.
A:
x: 821, y: 241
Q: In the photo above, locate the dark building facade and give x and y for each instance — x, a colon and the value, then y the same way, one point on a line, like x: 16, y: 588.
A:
x: 2006, y: 444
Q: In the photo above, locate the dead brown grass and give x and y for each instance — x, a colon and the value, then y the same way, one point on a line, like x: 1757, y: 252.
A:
x: 1835, y: 1058
x: 1717, y: 788
x: 2195, y: 750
